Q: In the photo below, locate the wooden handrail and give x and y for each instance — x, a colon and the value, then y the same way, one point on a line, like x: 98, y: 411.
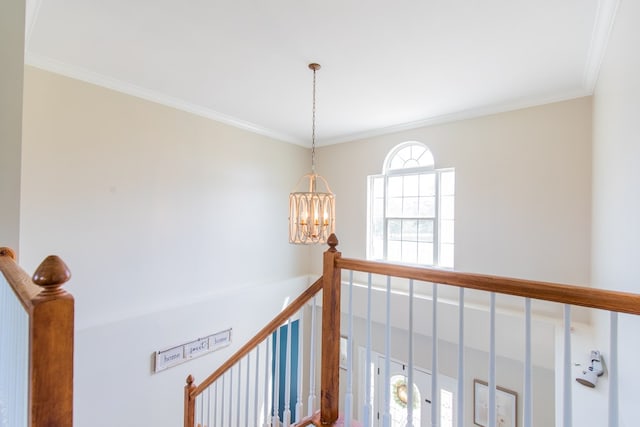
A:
x: 20, y: 282
x: 51, y: 330
x: 621, y: 302
x: 270, y: 328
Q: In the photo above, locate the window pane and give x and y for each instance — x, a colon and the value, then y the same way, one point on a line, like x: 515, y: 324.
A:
x: 425, y: 231
x: 394, y: 251
x: 410, y: 252
x: 446, y: 255
x: 427, y: 184
x: 425, y: 158
x: 378, y: 209
x: 394, y: 229
x: 377, y: 228
x: 410, y: 208
x: 427, y: 208
x: 447, y: 207
x: 394, y: 207
x: 425, y: 253
x: 394, y: 188
x: 377, y: 249
x: 446, y: 231
x: 411, y: 185
x: 410, y: 229
x: 447, y: 183
x: 378, y: 187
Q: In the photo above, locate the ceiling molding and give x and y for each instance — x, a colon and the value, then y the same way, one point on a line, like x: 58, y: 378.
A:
x: 32, y: 10
x: 459, y: 116
x: 602, y: 26
x: 77, y: 73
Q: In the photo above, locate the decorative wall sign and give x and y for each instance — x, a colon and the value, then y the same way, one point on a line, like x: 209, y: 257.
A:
x: 176, y: 355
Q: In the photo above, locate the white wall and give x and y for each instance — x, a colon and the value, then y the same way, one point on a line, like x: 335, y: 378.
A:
x: 616, y: 199
x: 523, y: 189
x: 156, y: 212
x: 12, y: 59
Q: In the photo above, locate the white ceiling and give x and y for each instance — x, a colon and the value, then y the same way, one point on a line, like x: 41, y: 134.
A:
x: 385, y: 65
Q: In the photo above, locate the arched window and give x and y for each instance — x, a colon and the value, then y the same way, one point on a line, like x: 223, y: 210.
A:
x: 411, y: 209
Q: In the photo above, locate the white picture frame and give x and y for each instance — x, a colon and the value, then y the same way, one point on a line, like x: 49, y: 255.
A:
x: 506, y: 405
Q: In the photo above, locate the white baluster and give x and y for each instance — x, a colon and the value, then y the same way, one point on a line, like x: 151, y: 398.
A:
x: 492, y: 362
x: 613, y: 370
x: 222, y: 395
x: 311, y: 407
x: 209, y: 406
x: 348, y: 398
x: 275, y: 420
x: 410, y: 373
x: 231, y: 397
x: 267, y: 383
x: 435, y: 390
x: 256, y: 386
x: 246, y: 397
x: 215, y: 403
x: 239, y: 405
x: 528, y: 385
x: 299, y: 370
x: 367, y: 410
x: 460, y: 397
x: 386, y: 415
x: 566, y: 394
x: 286, y: 416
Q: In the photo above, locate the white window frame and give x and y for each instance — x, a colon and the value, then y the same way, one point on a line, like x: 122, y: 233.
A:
x: 437, y: 218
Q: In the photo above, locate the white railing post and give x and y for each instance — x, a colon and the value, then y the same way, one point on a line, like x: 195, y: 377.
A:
x: 460, y: 397
x: 386, y: 415
x: 367, y: 409
x: 256, y: 413
x: 267, y: 382
x: 286, y: 416
x: 613, y: 370
x: 348, y: 398
x: 492, y: 362
x: 275, y: 420
x: 528, y: 385
x: 567, y: 407
x: 311, y: 406
x: 410, y: 373
x: 299, y: 370
x: 435, y: 389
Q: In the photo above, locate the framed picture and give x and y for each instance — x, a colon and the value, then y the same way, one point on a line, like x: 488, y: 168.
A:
x: 344, y: 342
x: 506, y: 405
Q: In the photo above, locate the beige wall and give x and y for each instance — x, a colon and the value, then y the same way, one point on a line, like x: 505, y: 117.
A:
x: 523, y: 189
x: 616, y: 197
x: 11, y: 70
x: 174, y: 227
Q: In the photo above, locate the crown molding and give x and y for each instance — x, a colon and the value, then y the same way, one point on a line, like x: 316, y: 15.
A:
x: 602, y: 27
x: 78, y: 73
x: 461, y: 115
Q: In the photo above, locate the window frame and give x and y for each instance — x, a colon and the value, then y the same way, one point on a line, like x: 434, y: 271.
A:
x: 437, y: 219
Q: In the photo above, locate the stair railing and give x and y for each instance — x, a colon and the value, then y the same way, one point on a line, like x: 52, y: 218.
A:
x: 242, y: 391
x: 36, y: 344
x: 331, y: 283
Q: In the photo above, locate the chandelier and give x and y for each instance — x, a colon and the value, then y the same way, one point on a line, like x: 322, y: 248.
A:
x: 312, y: 211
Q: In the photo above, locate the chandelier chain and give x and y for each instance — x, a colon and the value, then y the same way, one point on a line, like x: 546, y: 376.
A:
x: 313, y: 127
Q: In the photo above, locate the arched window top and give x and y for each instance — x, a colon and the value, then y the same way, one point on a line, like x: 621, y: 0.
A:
x: 408, y: 155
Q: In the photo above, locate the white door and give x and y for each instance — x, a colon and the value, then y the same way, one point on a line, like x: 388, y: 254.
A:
x: 398, y: 408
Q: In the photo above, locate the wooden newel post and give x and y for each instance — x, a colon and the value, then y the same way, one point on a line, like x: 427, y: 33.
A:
x: 189, y: 403
x: 330, y: 384
x: 51, y: 332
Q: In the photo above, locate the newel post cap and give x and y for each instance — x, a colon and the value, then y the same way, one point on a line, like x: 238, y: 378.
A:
x: 51, y: 274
